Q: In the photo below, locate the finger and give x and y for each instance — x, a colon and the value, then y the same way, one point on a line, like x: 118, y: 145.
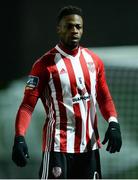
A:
x: 106, y: 138
x: 20, y: 160
x: 21, y: 163
x: 104, y: 141
x: 113, y: 146
x: 113, y: 149
x: 109, y: 146
x: 116, y: 146
x: 119, y: 146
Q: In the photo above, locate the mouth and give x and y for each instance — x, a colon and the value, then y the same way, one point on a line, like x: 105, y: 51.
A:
x: 74, y: 38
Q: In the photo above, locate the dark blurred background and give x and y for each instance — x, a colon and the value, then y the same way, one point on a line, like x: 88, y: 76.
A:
x: 28, y: 30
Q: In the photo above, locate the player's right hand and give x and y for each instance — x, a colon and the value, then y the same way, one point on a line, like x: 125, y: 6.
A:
x: 20, y: 151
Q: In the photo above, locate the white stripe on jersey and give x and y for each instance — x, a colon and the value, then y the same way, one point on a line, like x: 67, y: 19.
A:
x: 83, y: 104
x: 90, y: 61
x: 67, y: 100
x: 45, y: 165
x: 56, y: 107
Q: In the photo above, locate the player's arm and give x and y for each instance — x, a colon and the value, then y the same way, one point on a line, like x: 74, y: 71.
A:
x: 33, y: 91
x: 20, y: 150
x: 104, y: 98
x: 107, y: 108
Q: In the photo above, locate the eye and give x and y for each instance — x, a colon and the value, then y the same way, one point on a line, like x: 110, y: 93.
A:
x: 78, y: 26
x: 69, y: 26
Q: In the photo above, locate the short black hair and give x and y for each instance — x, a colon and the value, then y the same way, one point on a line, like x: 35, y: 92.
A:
x: 68, y: 10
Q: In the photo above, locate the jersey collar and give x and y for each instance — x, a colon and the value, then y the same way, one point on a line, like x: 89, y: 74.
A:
x: 73, y: 52
x: 68, y: 53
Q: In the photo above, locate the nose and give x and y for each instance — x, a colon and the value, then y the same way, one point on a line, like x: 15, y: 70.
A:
x: 74, y: 30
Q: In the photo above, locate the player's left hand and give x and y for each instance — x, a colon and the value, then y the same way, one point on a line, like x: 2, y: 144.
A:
x: 113, y: 136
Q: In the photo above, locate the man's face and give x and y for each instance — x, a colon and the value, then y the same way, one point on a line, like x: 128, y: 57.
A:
x: 70, y: 30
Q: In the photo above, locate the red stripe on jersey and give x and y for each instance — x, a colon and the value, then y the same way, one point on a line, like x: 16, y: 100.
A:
x: 62, y: 109
x: 71, y: 74
x: 88, y: 87
x: 96, y: 131
x: 78, y: 127
x: 76, y: 106
x: 87, y: 122
x: 85, y: 73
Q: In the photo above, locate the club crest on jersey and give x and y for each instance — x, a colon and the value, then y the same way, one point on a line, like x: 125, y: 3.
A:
x: 91, y: 66
x: 63, y: 71
x: 32, y: 82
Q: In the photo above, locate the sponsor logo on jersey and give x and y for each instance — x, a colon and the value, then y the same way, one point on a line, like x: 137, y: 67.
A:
x: 32, y: 81
x: 76, y: 99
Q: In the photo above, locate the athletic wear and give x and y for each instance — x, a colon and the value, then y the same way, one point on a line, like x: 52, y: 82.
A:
x: 20, y: 151
x: 113, y: 136
x: 69, y: 84
x: 70, y: 165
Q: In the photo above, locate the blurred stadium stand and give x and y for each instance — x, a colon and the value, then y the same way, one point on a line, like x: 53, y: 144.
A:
x: 121, y: 65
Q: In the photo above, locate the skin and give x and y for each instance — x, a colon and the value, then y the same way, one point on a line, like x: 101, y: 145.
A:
x: 70, y: 30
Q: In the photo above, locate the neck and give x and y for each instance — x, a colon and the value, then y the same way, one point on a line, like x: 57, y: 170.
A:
x: 72, y: 51
x: 70, y: 48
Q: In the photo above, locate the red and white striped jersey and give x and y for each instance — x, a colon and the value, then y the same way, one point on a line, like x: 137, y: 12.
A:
x: 69, y: 83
